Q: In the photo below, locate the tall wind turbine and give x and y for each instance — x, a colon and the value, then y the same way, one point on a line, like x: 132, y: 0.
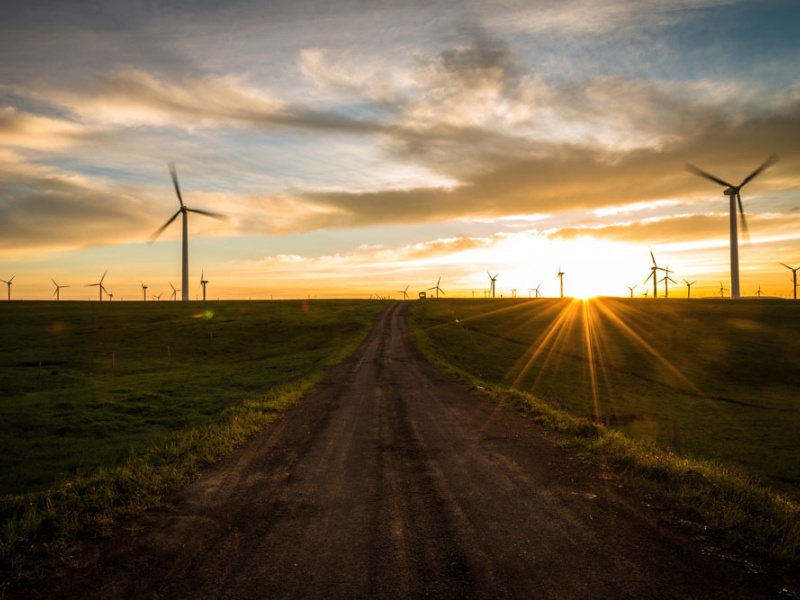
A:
x: 183, y: 210
x: 99, y: 285
x: 204, y: 283
x: 631, y: 288
x: 561, y: 278
x: 794, y: 278
x: 689, y: 288
x: 144, y: 291
x: 174, y: 295
x: 654, y: 274
x: 57, y: 293
x: 492, y: 279
x: 8, y: 283
x: 404, y: 292
x: 732, y: 191
x: 437, y: 288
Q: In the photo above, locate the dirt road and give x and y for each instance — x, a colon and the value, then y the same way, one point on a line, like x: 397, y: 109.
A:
x: 391, y: 481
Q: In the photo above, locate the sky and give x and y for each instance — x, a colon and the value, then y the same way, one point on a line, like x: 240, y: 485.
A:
x: 361, y: 148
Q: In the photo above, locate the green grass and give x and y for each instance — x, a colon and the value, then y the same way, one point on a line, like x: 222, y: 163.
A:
x: 698, y: 400
x: 105, y: 407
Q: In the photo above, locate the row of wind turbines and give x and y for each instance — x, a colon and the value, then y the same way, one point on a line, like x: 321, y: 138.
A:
x: 110, y: 294
x: 732, y: 191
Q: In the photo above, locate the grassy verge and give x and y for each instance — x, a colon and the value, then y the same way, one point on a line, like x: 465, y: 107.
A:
x: 717, y: 501
x: 231, y: 370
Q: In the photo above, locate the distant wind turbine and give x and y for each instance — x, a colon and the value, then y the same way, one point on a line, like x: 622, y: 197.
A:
x: 57, y: 293
x: 158, y: 296
x: 144, y: 291
x: 99, y: 285
x: 722, y: 290
x: 536, y: 289
x: 631, y: 288
x: 174, y: 295
x: 491, y: 285
x: 732, y: 192
x: 759, y: 293
x: 794, y: 278
x: 8, y: 283
x: 437, y: 288
x: 204, y: 283
x: 654, y: 274
x: 666, y: 279
x: 183, y: 210
x: 689, y: 288
x: 405, y: 292
x: 561, y: 278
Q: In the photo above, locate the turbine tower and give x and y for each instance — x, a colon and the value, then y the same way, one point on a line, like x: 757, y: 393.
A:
x: 203, y: 282
x: 144, y: 291
x: 794, y: 278
x: 689, y: 288
x: 732, y: 191
x: 8, y: 283
x: 561, y: 278
x: 57, y: 293
x: 492, y: 279
x: 99, y: 285
x: 437, y: 288
x: 184, y: 211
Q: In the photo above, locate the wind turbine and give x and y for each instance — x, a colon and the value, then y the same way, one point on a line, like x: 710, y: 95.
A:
x: 722, y: 290
x: 174, y: 292
x: 631, y: 288
x: 654, y: 274
x: 158, y: 296
x: 666, y: 279
x: 183, y: 210
x: 8, y: 283
x: 203, y: 282
x: 561, y: 277
x: 57, y: 293
x: 144, y: 291
x: 99, y: 285
x: 732, y: 191
x: 492, y: 279
x: 405, y: 292
x: 689, y: 288
x: 437, y: 288
x: 110, y: 295
x: 794, y: 278
x: 759, y: 293
x: 536, y: 289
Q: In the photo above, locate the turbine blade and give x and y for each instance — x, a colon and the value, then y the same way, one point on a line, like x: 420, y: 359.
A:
x: 654, y: 258
x: 54, y: 282
x: 742, y: 220
x: 787, y: 266
x: 766, y: 164
x: 161, y: 229
x: 441, y: 291
x: 174, y: 175
x: 103, y: 277
x: 692, y: 169
x: 208, y: 213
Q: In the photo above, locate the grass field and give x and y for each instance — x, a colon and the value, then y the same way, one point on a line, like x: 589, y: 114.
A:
x: 85, y: 385
x: 710, y: 378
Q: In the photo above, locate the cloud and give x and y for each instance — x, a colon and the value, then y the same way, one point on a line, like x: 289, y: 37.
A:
x: 26, y: 131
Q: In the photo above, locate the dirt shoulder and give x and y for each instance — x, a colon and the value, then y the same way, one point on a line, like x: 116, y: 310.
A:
x: 392, y: 481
